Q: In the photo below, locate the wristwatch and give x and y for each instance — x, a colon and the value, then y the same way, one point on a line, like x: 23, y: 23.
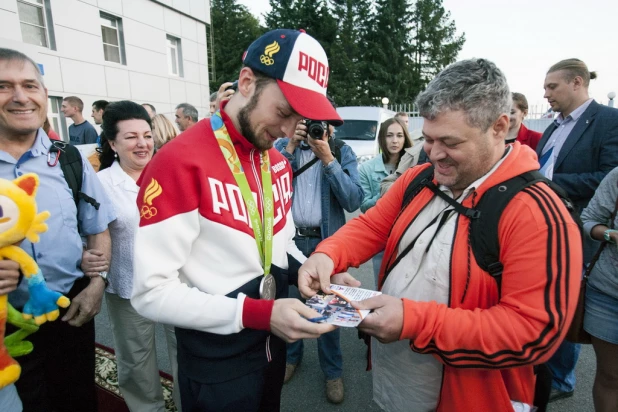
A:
x: 607, y: 234
x: 104, y: 277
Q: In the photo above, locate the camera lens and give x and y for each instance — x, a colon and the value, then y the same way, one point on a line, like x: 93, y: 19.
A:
x: 315, y: 129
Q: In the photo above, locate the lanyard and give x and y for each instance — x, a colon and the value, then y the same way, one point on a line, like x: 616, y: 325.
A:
x: 263, y: 237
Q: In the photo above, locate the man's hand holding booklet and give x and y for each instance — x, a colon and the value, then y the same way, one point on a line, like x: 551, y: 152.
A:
x: 336, y: 308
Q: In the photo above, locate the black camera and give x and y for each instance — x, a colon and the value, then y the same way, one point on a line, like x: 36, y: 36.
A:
x: 316, y: 128
x: 234, y: 86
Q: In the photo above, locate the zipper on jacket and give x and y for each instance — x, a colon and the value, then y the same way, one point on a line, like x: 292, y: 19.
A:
x: 268, y: 354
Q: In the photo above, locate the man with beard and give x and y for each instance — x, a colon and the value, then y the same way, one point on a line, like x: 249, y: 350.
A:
x: 448, y: 336
x: 214, y: 250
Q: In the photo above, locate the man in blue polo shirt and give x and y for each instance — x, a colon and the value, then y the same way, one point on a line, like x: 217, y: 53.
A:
x: 59, y: 373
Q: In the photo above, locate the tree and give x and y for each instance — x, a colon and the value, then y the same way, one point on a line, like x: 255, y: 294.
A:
x: 376, y: 48
x: 282, y: 15
x: 433, y: 42
x: 234, y: 29
x: 339, y: 36
x: 313, y: 16
x: 346, y: 55
x: 385, y: 54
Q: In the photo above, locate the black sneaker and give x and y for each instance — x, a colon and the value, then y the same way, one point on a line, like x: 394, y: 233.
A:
x: 558, y: 394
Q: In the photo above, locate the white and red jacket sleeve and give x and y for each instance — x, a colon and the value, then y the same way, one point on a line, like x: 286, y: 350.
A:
x: 194, y: 244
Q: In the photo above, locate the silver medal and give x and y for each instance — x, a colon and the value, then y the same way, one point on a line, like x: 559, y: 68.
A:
x: 268, y: 288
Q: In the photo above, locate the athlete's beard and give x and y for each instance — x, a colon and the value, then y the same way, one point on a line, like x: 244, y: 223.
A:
x: 245, y: 125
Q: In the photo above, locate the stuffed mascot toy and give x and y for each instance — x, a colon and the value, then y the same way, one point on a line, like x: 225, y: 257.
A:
x: 19, y: 220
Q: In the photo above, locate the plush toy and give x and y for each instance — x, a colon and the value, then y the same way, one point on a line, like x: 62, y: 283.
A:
x: 19, y: 220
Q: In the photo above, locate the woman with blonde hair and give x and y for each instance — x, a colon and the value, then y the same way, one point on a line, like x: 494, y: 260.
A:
x: 163, y: 130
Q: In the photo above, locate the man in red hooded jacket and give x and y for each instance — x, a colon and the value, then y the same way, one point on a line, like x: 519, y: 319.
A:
x: 446, y: 338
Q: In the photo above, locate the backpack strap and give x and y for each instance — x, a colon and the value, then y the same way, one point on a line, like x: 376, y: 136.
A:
x: 414, y: 188
x: 335, y: 148
x: 484, y: 237
x: 70, y: 160
x: 416, y: 185
x: 459, y: 208
x: 484, y: 218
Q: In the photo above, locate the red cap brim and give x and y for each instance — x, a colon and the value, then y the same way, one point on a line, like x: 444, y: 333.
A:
x: 309, y: 104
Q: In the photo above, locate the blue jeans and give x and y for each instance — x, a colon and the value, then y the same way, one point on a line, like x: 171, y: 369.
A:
x: 562, y: 363
x: 329, y: 348
x: 562, y: 366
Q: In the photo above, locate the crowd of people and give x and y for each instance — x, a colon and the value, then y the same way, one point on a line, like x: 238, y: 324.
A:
x: 220, y: 232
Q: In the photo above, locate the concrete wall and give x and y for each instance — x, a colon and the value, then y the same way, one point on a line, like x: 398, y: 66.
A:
x: 78, y: 66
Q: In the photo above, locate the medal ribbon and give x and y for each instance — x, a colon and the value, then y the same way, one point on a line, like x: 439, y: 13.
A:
x: 263, y: 234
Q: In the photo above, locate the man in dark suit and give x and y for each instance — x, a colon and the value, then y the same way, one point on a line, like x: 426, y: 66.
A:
x: 576, y: 151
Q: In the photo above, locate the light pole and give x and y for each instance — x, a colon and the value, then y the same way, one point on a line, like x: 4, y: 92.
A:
x: 385, y: 102
x: 611, y: 96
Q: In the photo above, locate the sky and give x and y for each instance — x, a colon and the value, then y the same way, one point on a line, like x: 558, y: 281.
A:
x: 526, y: 37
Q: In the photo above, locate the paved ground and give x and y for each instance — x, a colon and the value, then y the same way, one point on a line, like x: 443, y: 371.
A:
x: 305, y: 392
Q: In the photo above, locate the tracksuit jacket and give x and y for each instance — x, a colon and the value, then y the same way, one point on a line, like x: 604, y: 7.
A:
x: 488, y: 342
x: 197, y: 265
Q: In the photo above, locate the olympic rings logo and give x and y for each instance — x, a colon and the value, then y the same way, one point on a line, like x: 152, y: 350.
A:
x: 148, y: 212
x: 266, y: 60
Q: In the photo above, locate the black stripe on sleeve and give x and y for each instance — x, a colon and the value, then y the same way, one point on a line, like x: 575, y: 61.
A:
x: 557, y: 232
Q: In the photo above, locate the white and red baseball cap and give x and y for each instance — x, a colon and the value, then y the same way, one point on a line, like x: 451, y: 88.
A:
x: 299, y: 64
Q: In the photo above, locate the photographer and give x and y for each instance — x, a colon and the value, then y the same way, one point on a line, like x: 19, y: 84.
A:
x: 332, y: 177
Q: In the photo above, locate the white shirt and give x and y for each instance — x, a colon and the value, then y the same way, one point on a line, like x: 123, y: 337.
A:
x: 122, y: 190
x: 404, y: 380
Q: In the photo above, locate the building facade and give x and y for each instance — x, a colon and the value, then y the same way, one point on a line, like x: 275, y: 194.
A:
x: 148, y: 51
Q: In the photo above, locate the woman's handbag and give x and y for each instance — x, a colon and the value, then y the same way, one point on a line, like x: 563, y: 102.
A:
x: 576, y: 332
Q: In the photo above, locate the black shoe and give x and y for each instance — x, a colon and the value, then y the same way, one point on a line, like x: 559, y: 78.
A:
x: 558, y: 394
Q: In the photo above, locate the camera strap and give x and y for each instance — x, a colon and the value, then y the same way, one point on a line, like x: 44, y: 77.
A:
x: 305, y: 167
x: 335, y: 148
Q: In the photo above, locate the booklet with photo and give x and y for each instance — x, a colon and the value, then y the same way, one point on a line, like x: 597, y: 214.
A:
x: 336, y: 308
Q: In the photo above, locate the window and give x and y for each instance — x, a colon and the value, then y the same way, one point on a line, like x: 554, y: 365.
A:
x: 35, y: 19
x: 56, y: 118
x: 174, y: 56
x: 113, y: 39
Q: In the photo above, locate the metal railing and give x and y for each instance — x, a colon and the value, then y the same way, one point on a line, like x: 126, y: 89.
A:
x: 415, y: 124
x: 534, y: 112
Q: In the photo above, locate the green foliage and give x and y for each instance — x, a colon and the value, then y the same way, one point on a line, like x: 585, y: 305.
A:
x: 376, y: 48
x: 433, y: 41
x: 345, y: 81
x: 234, y: 29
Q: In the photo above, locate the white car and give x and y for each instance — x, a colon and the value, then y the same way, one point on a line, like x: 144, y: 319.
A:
x: 360, y: 129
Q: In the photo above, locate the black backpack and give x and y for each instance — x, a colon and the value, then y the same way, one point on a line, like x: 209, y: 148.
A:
x: 335, y: 147
x: 484, y: 239
x: 70, y: 160
x: 485, y: 216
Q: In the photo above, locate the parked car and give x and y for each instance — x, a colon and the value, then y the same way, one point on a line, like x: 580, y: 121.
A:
x: 360, y: 129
